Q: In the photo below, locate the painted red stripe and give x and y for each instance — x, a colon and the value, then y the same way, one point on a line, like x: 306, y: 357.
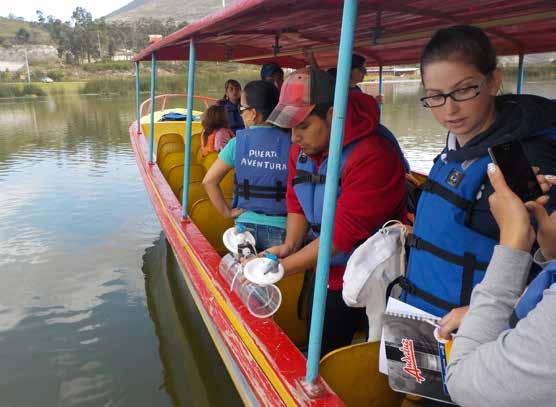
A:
x: 282, y: 355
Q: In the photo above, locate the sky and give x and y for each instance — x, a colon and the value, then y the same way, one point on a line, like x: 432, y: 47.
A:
x: 61, y: 9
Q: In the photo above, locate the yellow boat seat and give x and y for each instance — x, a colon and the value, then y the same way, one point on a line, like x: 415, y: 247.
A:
x: 196, y: 193
x: 175, y: 176
x: 211, y: 224
x: 227, y: 184
x: 170, y: 161
x: 195, y: 143
x: 352, y: 372
x: 287, y: 316
x: 199, y: 155
x: 168, y: 148
x: 170, y: 138
x: 209, y: 160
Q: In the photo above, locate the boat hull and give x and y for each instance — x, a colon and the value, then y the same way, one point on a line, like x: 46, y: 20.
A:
x: 265, y: 366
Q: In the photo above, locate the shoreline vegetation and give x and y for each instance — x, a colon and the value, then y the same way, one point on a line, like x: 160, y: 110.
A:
x: 117, y: 78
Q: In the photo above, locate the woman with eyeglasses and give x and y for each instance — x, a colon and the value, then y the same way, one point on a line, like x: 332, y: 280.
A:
x: 259, y: 154
x: 455, y: 234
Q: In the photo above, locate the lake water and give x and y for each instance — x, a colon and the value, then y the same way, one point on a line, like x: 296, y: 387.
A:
x: 92, y: 307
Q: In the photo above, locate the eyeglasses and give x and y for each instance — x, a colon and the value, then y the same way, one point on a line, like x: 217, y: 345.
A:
x: 459, y: 95
x: 244, y: 108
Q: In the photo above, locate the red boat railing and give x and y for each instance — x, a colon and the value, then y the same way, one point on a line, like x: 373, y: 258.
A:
x: 146, y: 105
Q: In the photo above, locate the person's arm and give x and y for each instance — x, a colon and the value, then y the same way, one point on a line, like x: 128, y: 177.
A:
x: 489, y: 364
x: 214, y: 175
x: 295, y: 259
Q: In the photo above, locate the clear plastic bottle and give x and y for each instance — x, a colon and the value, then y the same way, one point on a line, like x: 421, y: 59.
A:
x: 261, y: 301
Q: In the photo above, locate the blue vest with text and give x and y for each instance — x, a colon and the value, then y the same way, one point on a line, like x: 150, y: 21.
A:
x: 235, y: 122
x: 308, y: 185
x: 534, y: 293
x: 448, y: 258
x: 261, y: 170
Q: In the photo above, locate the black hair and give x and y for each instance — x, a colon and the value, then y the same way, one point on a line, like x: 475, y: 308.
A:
x: 466, y: 43
x: 261, y: 96
x: 229, y: 82
x: 321, y: 109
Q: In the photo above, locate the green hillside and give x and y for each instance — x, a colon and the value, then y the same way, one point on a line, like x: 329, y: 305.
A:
x: 10, y: 27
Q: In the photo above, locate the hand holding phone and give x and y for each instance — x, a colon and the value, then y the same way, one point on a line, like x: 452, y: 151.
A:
x: 512, y: 161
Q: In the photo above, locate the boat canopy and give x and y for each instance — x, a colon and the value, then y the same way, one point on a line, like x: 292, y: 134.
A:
x: 391, y: 32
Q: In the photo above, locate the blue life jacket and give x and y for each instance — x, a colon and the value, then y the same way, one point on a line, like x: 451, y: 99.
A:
x: 308, y: 185
x: 448, y: 258
x: 261, y: 170
x: 235, y: 122
x: 533, y: 294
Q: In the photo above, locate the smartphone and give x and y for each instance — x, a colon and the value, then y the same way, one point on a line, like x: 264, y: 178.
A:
x: 519, y: 175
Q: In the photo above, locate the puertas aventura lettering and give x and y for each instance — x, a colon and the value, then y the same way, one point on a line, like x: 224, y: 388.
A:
x: 254, y: 160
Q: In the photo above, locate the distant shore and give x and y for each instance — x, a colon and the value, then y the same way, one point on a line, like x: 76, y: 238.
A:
x: 117, y: 77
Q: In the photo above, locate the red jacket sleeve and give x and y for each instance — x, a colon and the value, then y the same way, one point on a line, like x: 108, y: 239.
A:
x: 292, y: 202
x: 373, y: 190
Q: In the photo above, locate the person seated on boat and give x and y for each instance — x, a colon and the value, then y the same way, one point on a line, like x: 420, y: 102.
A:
x: 493, y: 362
x: 454, y: 233
x: 230, y: 101
x: 372, y: 187
x: 215, y: 133
x: 259, y: 155
x: 273, y: 73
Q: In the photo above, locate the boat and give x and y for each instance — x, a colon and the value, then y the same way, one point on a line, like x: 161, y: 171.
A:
x: 266, y: 358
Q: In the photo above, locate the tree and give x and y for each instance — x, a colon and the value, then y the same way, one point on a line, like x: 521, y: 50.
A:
x: 22, y: 36
x: 40, y: 17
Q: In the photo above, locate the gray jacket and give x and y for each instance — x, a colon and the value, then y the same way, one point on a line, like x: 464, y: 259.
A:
x: 492, y: 365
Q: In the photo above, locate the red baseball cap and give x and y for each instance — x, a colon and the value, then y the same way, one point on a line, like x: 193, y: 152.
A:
x: 300, y: 93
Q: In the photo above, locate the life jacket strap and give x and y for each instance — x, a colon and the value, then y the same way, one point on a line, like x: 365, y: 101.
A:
x: 412, y: 289
x: 468, y: 262
x: 514, y: 319
x: 245, y: 190
x: 434, y: 187
x: 306, y: 176
x: 421, y: 244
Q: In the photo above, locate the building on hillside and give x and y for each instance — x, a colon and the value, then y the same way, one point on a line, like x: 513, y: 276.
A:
x: 122, y: 55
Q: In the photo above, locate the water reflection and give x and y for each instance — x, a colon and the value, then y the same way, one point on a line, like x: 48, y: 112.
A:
x: 193, y: 371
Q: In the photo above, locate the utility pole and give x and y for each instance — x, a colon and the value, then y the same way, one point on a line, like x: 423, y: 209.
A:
x: 223, y: 3
x: 27, y: 66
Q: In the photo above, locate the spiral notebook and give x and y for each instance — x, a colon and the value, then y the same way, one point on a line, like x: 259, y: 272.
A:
x: 414, y: 360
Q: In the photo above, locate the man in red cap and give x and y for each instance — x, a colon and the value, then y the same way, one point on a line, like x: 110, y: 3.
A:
x: 372, y: 186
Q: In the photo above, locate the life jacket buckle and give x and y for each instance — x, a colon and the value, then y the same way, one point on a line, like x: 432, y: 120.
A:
x: 318, y: 178
x: 413, y: 241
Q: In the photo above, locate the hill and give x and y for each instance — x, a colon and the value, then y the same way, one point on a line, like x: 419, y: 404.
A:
x: 10, y: 27
x: 179, y: 10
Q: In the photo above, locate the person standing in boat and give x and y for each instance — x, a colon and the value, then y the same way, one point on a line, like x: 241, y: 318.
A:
x: 273, y: 73
x: 259, y: 155
x: 215, y: 133
x: 455, y: 233
x: 230, y: 101
x: 357, y: 74
x: 372, y: 188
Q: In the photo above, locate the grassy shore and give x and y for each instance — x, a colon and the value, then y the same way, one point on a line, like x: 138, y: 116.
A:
x: 117, y: 78
x: 40, y: 89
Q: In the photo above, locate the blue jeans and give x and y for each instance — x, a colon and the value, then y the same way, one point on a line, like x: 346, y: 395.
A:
x: 266, y: 236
